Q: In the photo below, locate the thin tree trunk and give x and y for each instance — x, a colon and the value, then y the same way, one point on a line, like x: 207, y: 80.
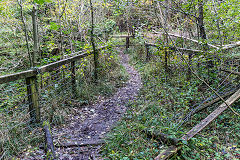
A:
x: 93, y: 43
x: 25, y: 31
x: 159, y: 18
x: 166, y: 36
x: 200, y: 21
x: 35, y: 35
x: 203, y: 34
x: 218, y: 22
x: 60, y: 24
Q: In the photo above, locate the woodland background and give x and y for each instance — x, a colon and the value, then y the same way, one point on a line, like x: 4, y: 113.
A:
x: 180, y: 47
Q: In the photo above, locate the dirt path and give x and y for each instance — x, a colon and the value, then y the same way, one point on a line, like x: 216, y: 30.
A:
x: 99, y: 120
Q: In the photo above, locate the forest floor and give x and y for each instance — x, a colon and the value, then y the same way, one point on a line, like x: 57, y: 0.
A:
x: 90, y: 124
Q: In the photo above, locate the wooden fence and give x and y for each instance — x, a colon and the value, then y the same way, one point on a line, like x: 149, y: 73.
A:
x: 31, y: 90
x: 34, y: 109
x: 174, y: 148
x: 31, y: 80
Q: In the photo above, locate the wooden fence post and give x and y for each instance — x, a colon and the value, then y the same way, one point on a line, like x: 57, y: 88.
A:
x: 127, y: 42
x: 49, y: 147
x: 166, y: 52
x: 73, y: 76
x: 35, y: 35
x: 190, y: 65
x: 166, y: 59
x: 32, y: 92
x: 147, y: 50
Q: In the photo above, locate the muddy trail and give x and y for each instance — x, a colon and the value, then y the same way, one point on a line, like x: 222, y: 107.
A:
x: 91, y: 123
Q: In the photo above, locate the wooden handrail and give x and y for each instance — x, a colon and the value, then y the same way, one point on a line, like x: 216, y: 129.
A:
x: 45, y: 68
x: 178, y: 49
x: 51, y: 66
x: 17, y: 76
x: 121, y: 36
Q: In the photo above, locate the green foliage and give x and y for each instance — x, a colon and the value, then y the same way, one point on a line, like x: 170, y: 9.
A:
x: 105, y: 28
x: 159, y: 107
x: 227, y: 15
x: 42, y: 1
x: 112, y: 76
x: 54, y: 26
x: 109, y: 26
x: 163, y: 98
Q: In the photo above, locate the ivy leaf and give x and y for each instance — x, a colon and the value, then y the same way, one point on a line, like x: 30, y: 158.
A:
x: 54, y: 26
x: 40, y: 2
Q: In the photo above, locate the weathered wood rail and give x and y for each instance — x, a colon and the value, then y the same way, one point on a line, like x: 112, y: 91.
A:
x: 207, y: 104
x: 177, y: 48
x: 45, y: 68
x: 224, y: 47
x: 127, y: 40
x: 195, y: 130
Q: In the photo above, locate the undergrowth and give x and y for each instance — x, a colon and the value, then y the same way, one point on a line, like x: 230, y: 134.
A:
x: 163, y: 101
x: 18, y: 138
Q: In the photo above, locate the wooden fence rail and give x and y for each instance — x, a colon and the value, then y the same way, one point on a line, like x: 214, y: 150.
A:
x: 127, y: 40
x: 195, y: 130
x: 45, y: 68
x: 178, y: 49
x: 31, y: 80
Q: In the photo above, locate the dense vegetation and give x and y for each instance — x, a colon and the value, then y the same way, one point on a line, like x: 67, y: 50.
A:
x: 181, y: 48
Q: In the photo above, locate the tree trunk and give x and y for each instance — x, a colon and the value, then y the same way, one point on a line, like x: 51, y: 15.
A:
x: 166, y: 25
x: 35, y: 35
x: 95, y: 52
x: 203, y: 36
x: 200, y: 21
x: 25, y: 31
x: 60, y: 27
